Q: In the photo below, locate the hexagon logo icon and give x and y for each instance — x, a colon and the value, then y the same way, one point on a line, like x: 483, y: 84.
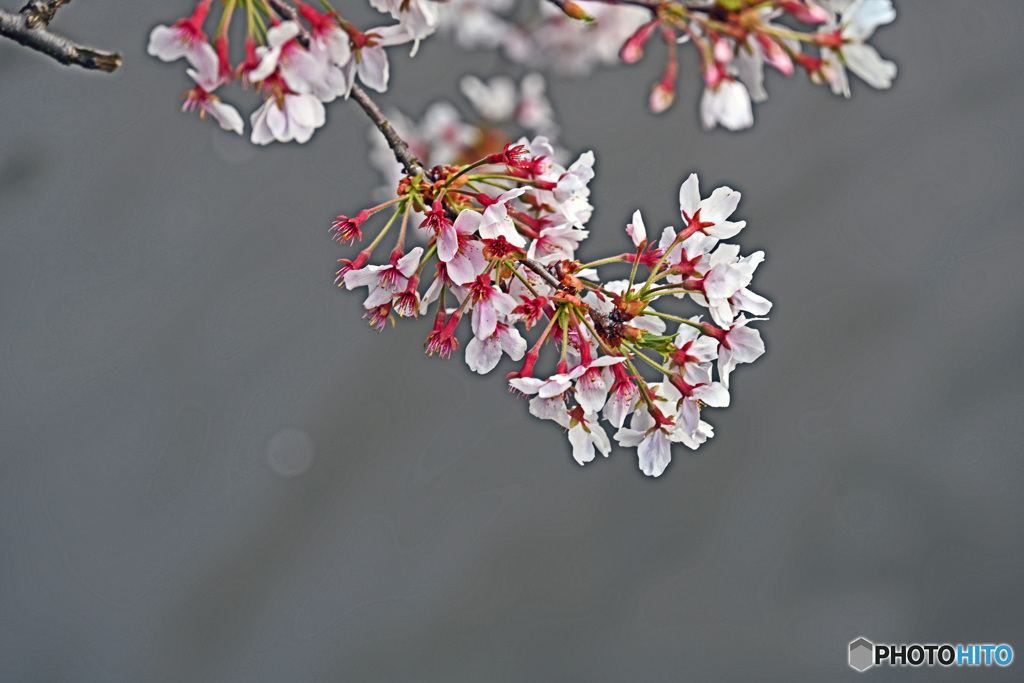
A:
x: 862, y: 654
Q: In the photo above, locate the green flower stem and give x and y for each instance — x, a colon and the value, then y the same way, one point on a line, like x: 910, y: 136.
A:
x: 401, y: 233
x: 647, y: 360
x: 467, y: 169
x: 632, y: 276
x: 431, y: 250
x: 674, y: 290
x: 565, y: 337
x: 603, y: 261
x: 596, y: 287
x: 675, y: 318
x: 499, y: 176
x: 225, y: 17
x: 380, y: 236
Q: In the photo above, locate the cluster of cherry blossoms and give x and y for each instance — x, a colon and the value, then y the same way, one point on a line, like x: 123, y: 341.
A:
x: 491, y: 237
x: 734, y: 40
x: 297, y: 58
x: 500, y: 237
x: 539, y: 35
x: 501, y: 107
x: 300, y: 58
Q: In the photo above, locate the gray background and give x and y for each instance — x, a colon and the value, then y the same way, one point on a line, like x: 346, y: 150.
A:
x: 171, y: 342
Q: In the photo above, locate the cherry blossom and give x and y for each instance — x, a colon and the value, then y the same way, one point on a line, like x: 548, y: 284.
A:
x: 844, y: 44
x: 482, y: 355
x: 726, y: 104
x: 292, y: 116
x: 489, y: 304
x: 184, y: 38
x: 709, y: 215
x: 587, y: 435
x: 462, y: 253
x: 384, y: 281
x: 208, y: 78
x: 417, y: 18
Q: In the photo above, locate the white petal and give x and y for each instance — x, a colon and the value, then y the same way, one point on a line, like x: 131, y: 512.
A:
x: 865, y: 61
x: 725, y: 229
x: 746, y: 344
x: 204, y: 58
x: 714, y: 394
x: 261, y: 133
x: 485, y: 320
x: 654, y: 453
x: 378, y: 295
x: 483, y: 355
x: 363, y: 277
x: 461, y: 271
x: 689, y: 196
x: 746, y: 300
x: 866, y: 17
x: 512, y: 342
x: 550, y: 409
x: 165, y: 44
x: 282, y: 33
x: 407, y: 264
x: 268, y: 62
x: 636, y: 229
x: 619, y: 405
x: 582, y: 445
x: 526, y: 385
x: 592, y: 391
x: 373, y: 68
x: 720, y: 205
x: 226, y: 115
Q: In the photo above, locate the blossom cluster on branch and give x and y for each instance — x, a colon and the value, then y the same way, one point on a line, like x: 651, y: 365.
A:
x: 499, y: 250
x: 300, y: 58
x: 502, y: 111
x: 297, y: 57
x: 734, y: 40
x: 475, y: 226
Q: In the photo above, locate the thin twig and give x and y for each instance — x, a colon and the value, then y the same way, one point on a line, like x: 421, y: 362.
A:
x: 540, y: 270
x: 395, y: 142
x: 40, y: 12
x: 28, y: 27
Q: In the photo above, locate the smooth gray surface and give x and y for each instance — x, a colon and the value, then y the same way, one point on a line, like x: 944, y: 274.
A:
x: 211, y: 470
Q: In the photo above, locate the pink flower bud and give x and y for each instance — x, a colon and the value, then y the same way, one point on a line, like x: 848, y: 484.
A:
x: 775, y: 56
x: 664, y: 92
x: 574, y: 11
x: 722, y: 50
x: 633, y: 49
x: 807, y: 12
x: 661, y: 98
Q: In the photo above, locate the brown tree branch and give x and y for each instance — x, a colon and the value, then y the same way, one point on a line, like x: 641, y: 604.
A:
x: 28, y: 27
x: 395, y: 142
